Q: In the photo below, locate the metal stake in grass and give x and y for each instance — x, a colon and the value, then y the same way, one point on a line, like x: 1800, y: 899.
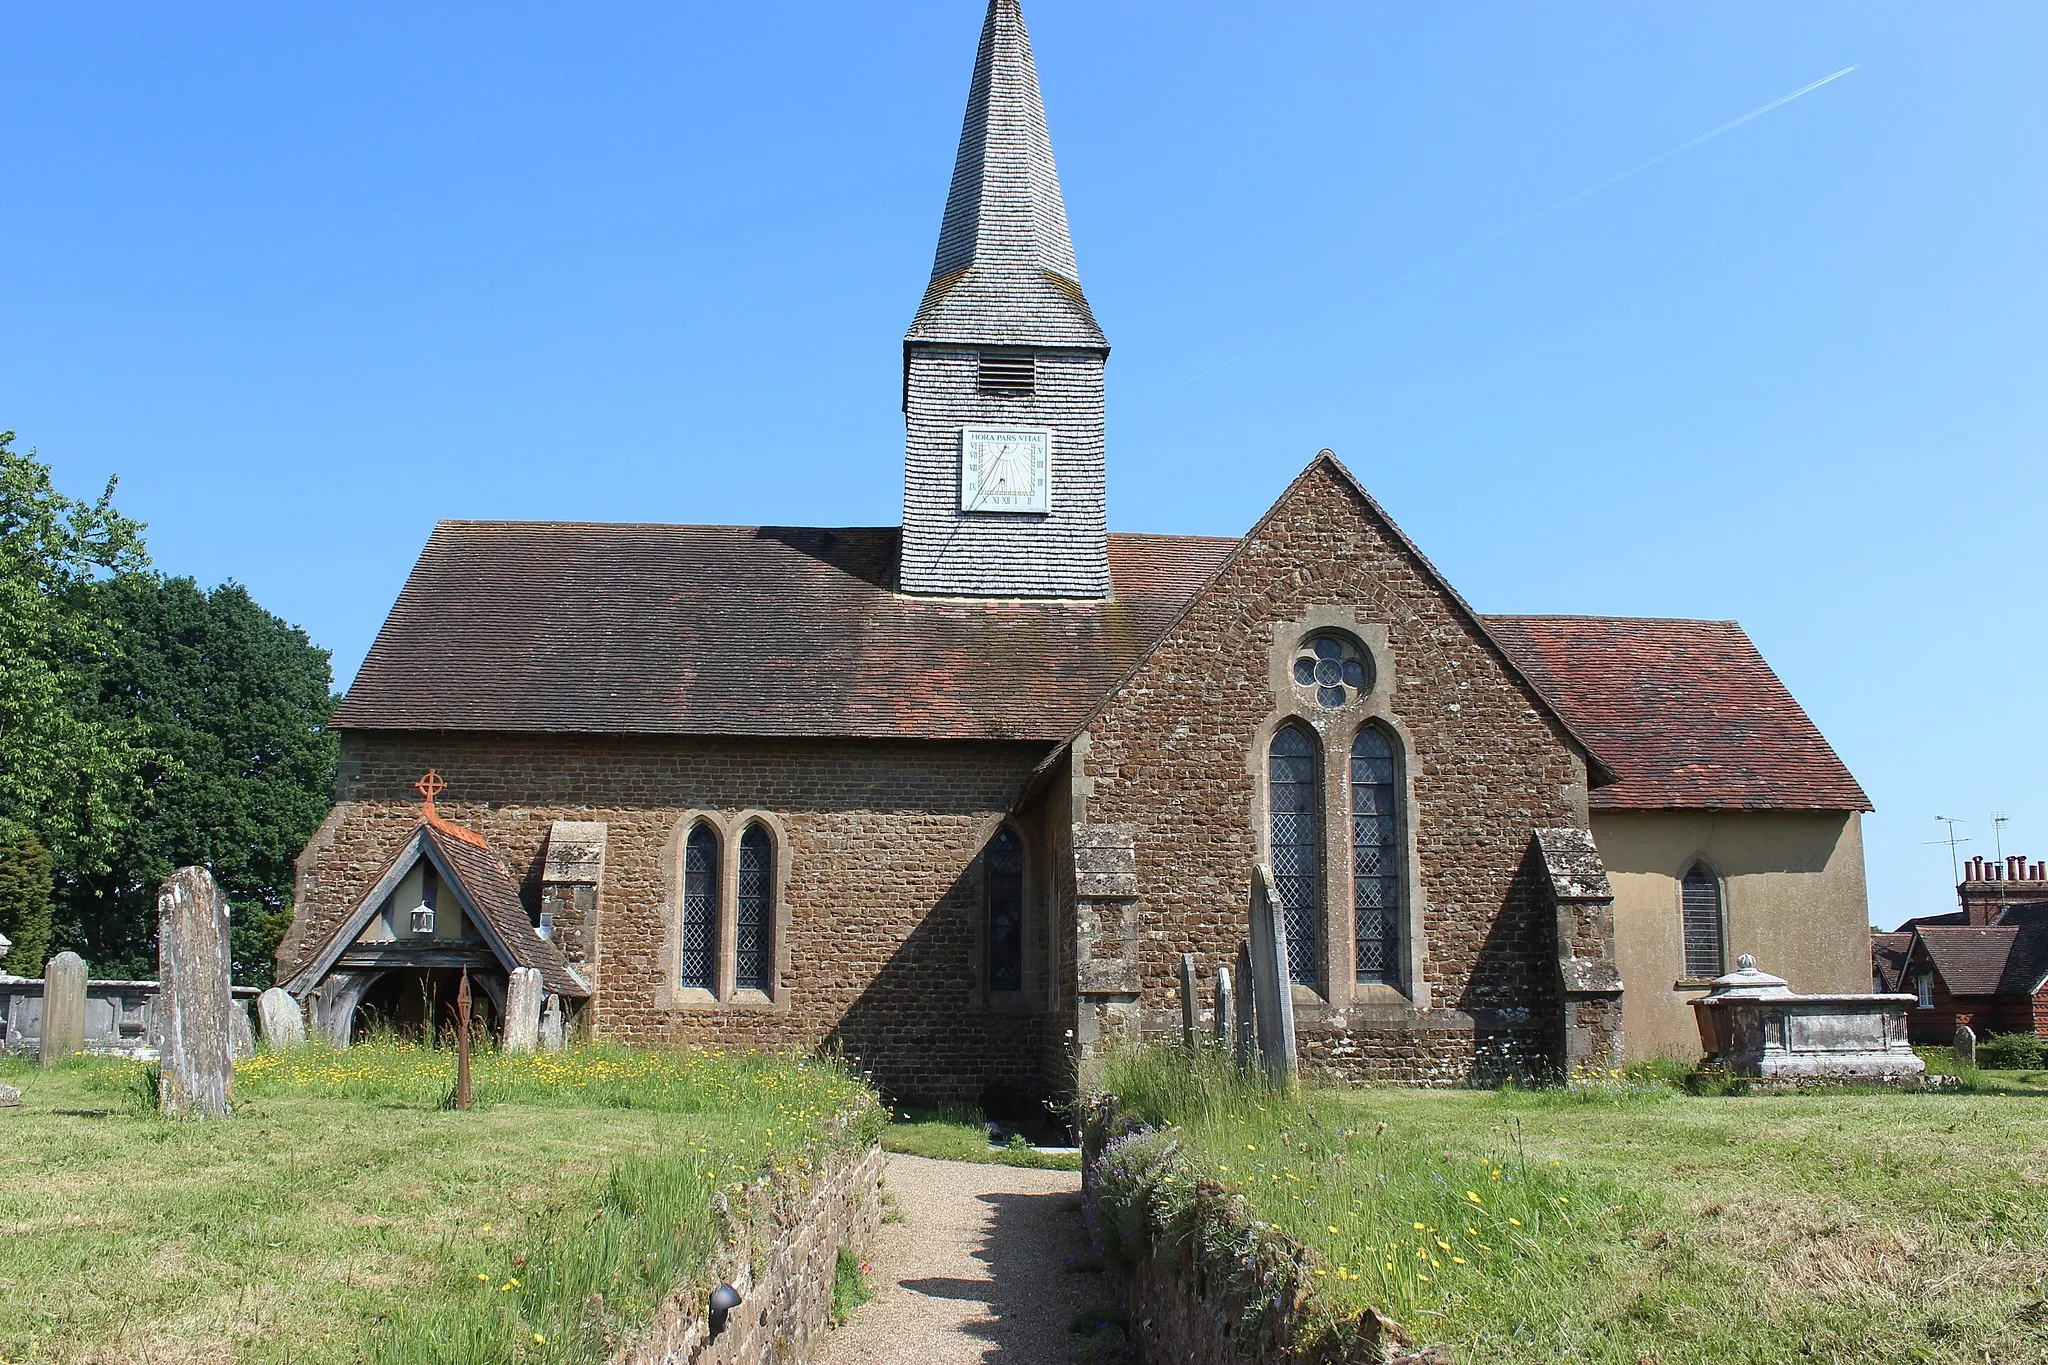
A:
x: 462, y: 1041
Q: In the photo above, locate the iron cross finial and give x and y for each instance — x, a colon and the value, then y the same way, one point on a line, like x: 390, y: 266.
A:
x: 430, y: 786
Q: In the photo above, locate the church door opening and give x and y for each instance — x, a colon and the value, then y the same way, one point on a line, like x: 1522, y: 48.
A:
x: 418, y: 1006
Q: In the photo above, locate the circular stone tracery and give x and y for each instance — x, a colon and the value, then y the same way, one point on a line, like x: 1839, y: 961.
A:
x: 1334, y: 667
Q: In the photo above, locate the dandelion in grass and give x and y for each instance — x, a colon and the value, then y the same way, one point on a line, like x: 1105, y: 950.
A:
x: 1515, y: 1222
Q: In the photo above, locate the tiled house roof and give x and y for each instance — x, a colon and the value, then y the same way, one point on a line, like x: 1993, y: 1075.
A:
x: 1686, y: 712
x: 724, y: 630
x: 1888, y: 959
x: 1972, y: 961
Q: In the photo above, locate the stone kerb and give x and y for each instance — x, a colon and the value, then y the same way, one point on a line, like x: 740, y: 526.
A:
x: 195, y: 1001
x: 779, y: 1247
x: 63, y: 1020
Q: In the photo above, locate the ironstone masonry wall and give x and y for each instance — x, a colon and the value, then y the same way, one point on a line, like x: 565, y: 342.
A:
x: 881, y: 896
x: 1177, y: 750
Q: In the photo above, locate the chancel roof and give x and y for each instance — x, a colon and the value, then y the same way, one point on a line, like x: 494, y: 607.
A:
x: 734, y: 630
x: 1004, y: 272
x: 1687, y: 713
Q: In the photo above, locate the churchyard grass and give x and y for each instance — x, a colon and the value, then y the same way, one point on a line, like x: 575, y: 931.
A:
x: 1622, y: 1220
x: 961, y: 1134
x: 345, y: 1213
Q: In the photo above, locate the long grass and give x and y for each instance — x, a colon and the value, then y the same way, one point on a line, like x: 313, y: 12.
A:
x: 1623, y: 1220
x: 344, y: 1214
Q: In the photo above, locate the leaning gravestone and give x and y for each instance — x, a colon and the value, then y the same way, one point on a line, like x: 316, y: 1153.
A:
x: 63, y: 1007
x: 1966, y: 1046
x: 1190, y: 1004
x: 1272, y: 980
x: 283, y: 1022
x: 1223, y: 1010
x: 194, y: 1001
x: 522, y: 1010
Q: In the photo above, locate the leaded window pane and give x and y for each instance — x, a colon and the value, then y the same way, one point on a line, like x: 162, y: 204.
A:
x: 700, y: 910
x: 1700, y: 899
x: 1375, y: 859
x: 1003, y: 882
x: 753, y: 929
x: 1296, y: 811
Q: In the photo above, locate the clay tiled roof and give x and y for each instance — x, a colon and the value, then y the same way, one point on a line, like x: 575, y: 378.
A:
x: 724, y: 630
x: 494, y: 892
x: 1972, y: 961
x: 1888, y: 958
x: 1686, y: 712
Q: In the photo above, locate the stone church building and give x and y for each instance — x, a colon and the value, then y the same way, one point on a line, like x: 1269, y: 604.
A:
x: 955, y: 796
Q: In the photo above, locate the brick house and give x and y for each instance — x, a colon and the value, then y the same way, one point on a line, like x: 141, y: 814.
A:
x: 954, y: 796
x: 1984, y: 964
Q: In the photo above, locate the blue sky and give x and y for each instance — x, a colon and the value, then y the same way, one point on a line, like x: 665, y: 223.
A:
x: 309, y: 279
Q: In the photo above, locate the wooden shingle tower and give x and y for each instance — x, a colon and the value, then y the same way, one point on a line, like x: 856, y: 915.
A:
x: 1003, y: 488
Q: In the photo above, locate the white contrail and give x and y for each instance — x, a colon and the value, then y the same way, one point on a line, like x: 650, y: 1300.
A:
x: 1500, y: 232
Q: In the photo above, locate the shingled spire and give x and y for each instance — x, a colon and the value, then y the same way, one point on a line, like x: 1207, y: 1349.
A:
x: 1005, y: 266
x: 1003, y: 482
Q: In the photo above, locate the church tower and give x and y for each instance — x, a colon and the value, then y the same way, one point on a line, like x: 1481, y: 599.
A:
x: 1003, y: 487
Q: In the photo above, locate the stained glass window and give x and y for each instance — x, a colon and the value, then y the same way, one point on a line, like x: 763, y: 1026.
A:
x: 700, y: 910
x: 1003, y: 883
x: 1375, y: 859
x: 1700, y: 898
x: 754, y: 927
x: 1296, y: 814
x: 1334, y: 668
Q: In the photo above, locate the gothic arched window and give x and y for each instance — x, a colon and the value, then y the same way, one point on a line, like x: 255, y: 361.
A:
x: 1002, y: 880
x: 754, y: 924
x: 698, y: 966
x: 1375, y: 858
x: 1700, y: 910
x: 1294, y: 797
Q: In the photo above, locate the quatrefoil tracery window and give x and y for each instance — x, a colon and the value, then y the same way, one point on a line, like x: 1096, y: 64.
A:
x: 1334, y: 667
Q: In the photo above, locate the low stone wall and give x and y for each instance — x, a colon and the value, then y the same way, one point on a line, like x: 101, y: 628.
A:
x: 779, y: 1248
x: 1204, y: 1281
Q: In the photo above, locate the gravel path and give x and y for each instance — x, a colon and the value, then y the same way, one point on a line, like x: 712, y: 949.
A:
x: 976, y: 1271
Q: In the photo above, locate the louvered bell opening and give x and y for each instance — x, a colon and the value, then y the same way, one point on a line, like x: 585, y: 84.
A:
x: 1006, y: 374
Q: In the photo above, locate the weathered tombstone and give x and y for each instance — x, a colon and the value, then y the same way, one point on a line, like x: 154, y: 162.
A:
x: 552, y: 1035
x: 241, y: 1035
x: 1246, y: 1050
x: 10, y: 1097
x: 522, y: 1010
x: 1966, y: 1046
x: 1272, y: 980
x: 284, y: 1023
x: 63, y: 1007
x: 194, y: 1002
x: 1190, y: 1007
x: 1223, y: 1008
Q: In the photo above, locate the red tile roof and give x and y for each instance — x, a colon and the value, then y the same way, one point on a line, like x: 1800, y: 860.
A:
x: 1686, y: 712
x: 1984, y: 961
x: 1888, y: 959
x: 725, y: 630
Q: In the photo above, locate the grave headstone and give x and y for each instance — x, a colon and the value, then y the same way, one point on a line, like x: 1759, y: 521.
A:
x: 1223, y: 1008
x: 1246, y: 1048
x: 195, y: 1006
x: 522, y: 1010
x: 552, y: 1034
x: 1966, y: 1046
x: 10, y: 1097
x: 284, y: 1023
x: 1190, y: 1006
x: 1272, y: 980
x: 241, y: 1035
x: 63, y: 1008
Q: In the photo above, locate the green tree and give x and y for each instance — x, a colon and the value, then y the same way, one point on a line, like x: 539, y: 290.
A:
x: 67, y: 769
x: 231, y: 704
x: 25, y: 892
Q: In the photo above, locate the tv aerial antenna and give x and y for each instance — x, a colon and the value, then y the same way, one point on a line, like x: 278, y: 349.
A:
x: 1955, y: 867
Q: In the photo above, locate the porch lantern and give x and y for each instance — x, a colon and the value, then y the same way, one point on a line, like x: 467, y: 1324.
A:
x: 423, y: 919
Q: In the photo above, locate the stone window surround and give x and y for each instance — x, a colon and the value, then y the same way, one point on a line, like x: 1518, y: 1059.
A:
x: 1026, y: 1000
x: 728, y: 826
x: 1686, y: 981
x: 1334, y: 731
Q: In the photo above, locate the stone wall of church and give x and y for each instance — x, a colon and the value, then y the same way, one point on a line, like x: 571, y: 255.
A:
x: 881, y: 890
x: 1180, y: 753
